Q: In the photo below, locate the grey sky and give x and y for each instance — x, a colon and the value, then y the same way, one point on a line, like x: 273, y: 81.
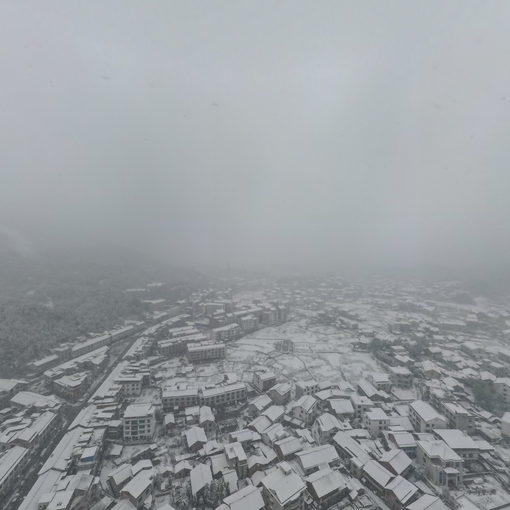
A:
x: 327, y: 132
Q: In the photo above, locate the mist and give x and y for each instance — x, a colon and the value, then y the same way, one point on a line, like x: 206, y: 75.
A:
x: 332, y: 135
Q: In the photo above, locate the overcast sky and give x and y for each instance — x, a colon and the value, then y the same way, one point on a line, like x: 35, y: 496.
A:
x: 314, y: 133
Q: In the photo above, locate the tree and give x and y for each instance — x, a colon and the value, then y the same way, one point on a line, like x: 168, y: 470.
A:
x: 487, y: 397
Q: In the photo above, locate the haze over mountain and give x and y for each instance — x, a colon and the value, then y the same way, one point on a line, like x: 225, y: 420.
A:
x: 332, y: 135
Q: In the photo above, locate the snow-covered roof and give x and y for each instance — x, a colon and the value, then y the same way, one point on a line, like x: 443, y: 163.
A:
x: 325, y: 481
x: 248, y: 498
x: 425, y: 411
x: 284, y: 483
x: 378, y: 473
x: 427, y: 502
x: 397, y: 460
x: 402, y: 489
x: 438, y: 449
x: 317, y: 456
x: 456, y: 439
x: 200, y: 476
x: 195, y: 435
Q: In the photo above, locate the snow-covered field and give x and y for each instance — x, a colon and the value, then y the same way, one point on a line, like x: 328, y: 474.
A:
x: 321, y: 352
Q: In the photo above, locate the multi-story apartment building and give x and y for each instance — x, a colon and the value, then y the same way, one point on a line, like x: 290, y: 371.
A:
x: 425, y: 418
x: 458, y: 417
x: 226, y: 333
x: 264, y: 380
x: 72, y: 387
x: 139, y: 422
x: 440, y: 463
x: 12, y: 464
x: 39, y: 433
x: 178, y: 345
x: 206, y: 351
x: 306, y: 388
x: 380, y: 380
x: 229, y: 394
x: 179, y: 398
x: 131, y: 384
x: 502, y: 386
x: 401, y: 377
x: 376, y: 421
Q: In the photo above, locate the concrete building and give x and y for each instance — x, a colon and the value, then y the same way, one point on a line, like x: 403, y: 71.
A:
x: 206, y: 351
x: 12, y: 464
x: 380, y: 381
x: 179, y: 398
x: 139, y: 423
x: 72, y: 387
x: 325, y: 427
x: 305, y: 409
x: 264, y: 380
x: 283, y: 489
x: 248, y: 498
x: 502, y: 386
x: 458, y: 417
x: 229, y: 394
x: 401, y: 377
x: 316, y: 458
x: 425, y: 418
x: 376, y: 421
x: 462, y: 444
x: 326, y: 487
x: 237, y: 459
x: 440, y: 463
x: 131, y: 384
x: 505, y: 425
x: 308, y: 387
x: 280, y: 393
x: 226, y: 333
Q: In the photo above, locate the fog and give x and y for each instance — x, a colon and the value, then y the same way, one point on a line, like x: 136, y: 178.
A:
x: 331, y: 134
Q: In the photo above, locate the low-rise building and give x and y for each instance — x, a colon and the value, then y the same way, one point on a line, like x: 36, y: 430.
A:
x: 325, y: 427
x: 283, y: 489
x: 316, y: 458
x: 139, y: 488
x: 305, y: 409
x: 326, y: 487
x: 248, y: 498
x: 308, y: 387
x: 195, y: 438
x: 280, y: 393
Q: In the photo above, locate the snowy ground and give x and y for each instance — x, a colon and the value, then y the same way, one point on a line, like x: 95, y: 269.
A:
x: 321, y: 352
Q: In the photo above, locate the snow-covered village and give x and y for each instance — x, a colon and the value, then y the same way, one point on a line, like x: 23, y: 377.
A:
x: 380, y: 395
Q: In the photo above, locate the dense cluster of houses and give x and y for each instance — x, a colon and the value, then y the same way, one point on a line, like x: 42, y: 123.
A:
x: 171, y: 425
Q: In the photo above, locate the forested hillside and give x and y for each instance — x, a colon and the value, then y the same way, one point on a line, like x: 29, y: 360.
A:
x: 47, y: 299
